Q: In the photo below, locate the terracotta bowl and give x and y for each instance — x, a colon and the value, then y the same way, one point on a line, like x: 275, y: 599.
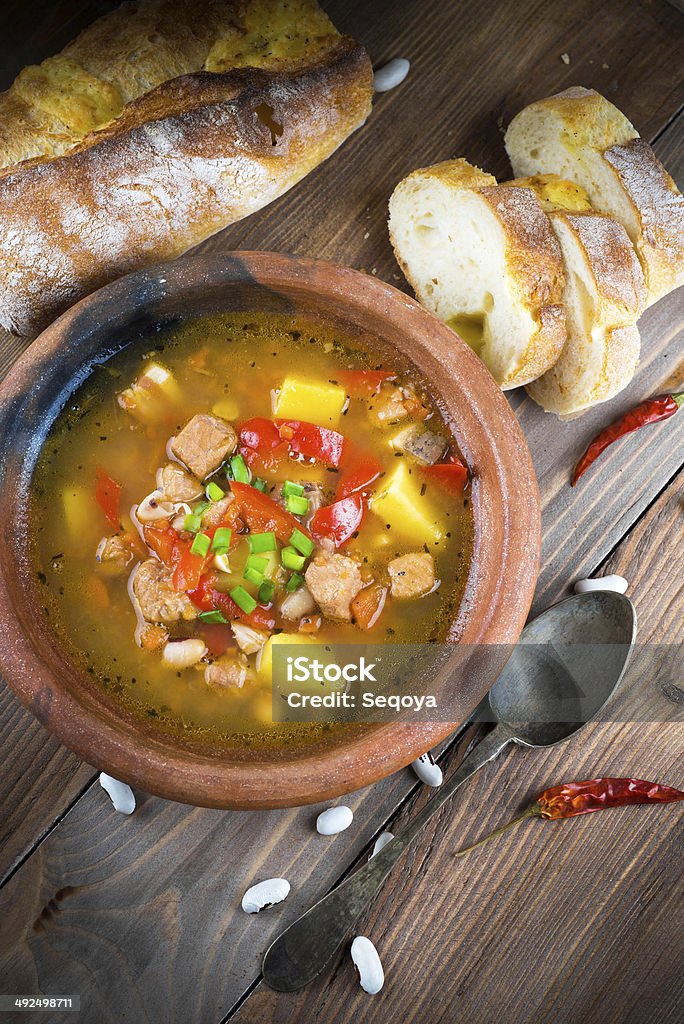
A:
x: 505, y: 503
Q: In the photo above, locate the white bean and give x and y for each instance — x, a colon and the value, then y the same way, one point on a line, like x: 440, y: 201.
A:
x: 380, y: 843
x: 183, y: 653
x: 391, y: 74
x: 367, y: 963
x: 153, y: 507
x: 334, y: 820
x: 615, y: 583
x: 265, y: 894
x: 119, y: 793
x: 427, y: 771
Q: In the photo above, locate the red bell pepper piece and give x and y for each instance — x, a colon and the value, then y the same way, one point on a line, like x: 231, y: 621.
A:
x: 165, y: 543
x: 313, y: 442
x: 358, y: 470
x: 340, y: 520
x: 108, y: 496
x: 272, y: 440
x: 452, y: 475
x: 208, y: 599
x: 364, y: 382
x: 263, y: 514
x: 218, y: 638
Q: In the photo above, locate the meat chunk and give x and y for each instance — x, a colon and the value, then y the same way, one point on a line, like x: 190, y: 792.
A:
x: 151, y: 636
x: 334, y: 581
x: 393, y: 404
x: 422, y: 444
x: 217, y: 512
x: 412, y: 575
x: 177, y: 485
x: 154, y: 592
x: 388, y: 405
x: 204, y: 443
x: 225, y: 673
x: 115, y: 553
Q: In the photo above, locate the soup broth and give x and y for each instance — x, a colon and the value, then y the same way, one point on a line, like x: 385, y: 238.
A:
x: 233, y: 479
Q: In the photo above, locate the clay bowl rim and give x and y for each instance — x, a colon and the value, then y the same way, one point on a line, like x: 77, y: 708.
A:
x: 505, y: 498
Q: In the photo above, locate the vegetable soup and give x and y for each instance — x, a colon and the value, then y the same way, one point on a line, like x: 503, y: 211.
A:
x: 236, y: 482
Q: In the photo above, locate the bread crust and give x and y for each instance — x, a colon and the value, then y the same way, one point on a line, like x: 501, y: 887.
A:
x: 179, y: 164
x: 618, y: 300
x: 579, y: 119
x: 532, y: 255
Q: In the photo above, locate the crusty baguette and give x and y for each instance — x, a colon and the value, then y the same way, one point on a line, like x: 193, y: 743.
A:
x: 176, y: 164
x: 52, y: 106
x: 475, y: 250
x: 604, y: 295
x: 581, y: 136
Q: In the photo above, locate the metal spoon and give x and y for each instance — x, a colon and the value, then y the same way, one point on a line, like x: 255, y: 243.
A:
x: 565, y: 667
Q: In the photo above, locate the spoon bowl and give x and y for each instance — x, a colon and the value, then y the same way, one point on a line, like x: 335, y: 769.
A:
x: 565, y: 668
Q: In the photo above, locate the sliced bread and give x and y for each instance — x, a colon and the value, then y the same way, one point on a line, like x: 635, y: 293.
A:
x: 483, y: 257
x: 579, y: 135
x: 604, y: 295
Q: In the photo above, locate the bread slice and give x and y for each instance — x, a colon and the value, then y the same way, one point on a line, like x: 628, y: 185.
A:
x: 579, y: 135
x: 484, y: 255
x: 604, y: 295
x: 162, y: 124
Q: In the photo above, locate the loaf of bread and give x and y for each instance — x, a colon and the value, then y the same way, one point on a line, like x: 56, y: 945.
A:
x: 160, y: 125
x: 483, y: 257
x: 579, y: 135
x: 604, y: 295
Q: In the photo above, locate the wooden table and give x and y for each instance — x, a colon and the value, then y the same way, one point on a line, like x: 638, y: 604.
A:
x: 574, y: 922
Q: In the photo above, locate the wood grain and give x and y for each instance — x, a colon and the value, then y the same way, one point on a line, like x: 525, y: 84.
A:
x: 142, y: 911
x: 555, y: 922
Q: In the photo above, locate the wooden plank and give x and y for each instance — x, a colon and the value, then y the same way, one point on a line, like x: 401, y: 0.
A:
x: 142, y: 915
x: 560, y: 922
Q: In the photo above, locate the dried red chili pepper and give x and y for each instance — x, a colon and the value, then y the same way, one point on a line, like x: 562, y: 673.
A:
x: 653, y: 410
x: 573, y: 798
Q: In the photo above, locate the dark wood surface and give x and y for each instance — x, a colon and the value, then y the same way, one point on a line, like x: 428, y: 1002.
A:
x: 580, y: 921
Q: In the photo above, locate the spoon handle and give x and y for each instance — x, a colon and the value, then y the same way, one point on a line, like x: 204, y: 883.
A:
x: 303, y: 950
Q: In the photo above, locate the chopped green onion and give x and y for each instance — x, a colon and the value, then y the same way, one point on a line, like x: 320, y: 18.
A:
x: 289, y: 487
x: 221, y: 542
x: 201, y: 508
x: 200, y: 544
x: 212, y: 617
x: 291, y: 560
x: 296, y: 505
x: 214, y: 492
x: 192, y: 523
x: 239, y: 469
x: 301, y: 543
x: 243, y: 600
x: 253, y: 576
x: 262, y: 542
x: 254, y: 562
x: 294, y: 582
x: 266, y: 592
x: 259, y: 483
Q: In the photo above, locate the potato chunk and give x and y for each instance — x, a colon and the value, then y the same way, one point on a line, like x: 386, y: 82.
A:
x: 204, y: 443
x: 401, y: 505
x: 412, y: 575
x: 320, y: 403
